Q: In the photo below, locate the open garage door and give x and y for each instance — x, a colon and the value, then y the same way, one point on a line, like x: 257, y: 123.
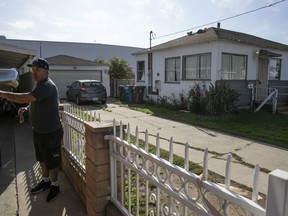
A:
x: 63, y: 78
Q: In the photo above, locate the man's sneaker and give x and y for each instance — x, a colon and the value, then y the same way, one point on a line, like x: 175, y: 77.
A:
x: 40, y: 187
x: 54, y: 191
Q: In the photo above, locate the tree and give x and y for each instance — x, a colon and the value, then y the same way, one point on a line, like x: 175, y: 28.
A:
x: 101, y: 61
x: 119, y: 69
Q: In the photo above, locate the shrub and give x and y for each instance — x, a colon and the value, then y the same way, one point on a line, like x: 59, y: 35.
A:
x: 196, y: 99
x: 177, y: 103
x: 215, y: 100
x: 220, y: 99
x: 170, y: 102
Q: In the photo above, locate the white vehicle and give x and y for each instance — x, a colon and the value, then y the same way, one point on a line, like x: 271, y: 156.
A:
x: 9, y: 81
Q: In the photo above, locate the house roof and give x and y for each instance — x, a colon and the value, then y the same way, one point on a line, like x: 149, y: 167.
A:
x: 65, y: 60
x: 217, y: 34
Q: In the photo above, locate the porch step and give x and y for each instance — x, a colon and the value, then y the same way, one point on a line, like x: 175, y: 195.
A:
x: 282, y: 108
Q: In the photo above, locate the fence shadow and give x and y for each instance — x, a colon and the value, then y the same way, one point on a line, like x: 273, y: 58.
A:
x: 21, y: 172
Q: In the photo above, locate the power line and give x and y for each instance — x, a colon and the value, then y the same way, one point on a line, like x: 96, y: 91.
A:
x: 224, y: 19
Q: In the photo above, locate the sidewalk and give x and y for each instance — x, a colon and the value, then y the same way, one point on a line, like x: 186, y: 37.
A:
x: 20, y: 172
x: 250, y: 151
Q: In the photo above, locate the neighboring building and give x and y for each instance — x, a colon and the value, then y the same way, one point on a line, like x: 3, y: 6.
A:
x: 211, y: 55
x: 88, y: 51
x: 70, y: 61
x: 64, y: 70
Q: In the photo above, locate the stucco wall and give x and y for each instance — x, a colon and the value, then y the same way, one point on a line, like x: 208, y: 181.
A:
x: 216, y: 48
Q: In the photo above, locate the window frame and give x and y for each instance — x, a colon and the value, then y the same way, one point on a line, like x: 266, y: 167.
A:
x: 175, y: 69
x: 199, y: 68
x: 236, y: 55
x: 140, y: 71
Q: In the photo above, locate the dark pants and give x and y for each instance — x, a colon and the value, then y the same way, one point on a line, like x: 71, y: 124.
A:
x: 48, y: 148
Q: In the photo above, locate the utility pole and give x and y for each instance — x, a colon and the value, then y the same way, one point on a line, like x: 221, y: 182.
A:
x: 152, y: 34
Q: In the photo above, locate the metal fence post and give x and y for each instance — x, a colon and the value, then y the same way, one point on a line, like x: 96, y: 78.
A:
x: 277, y: 197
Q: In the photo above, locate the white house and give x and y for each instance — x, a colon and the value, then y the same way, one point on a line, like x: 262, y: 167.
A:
x: 212, y: 55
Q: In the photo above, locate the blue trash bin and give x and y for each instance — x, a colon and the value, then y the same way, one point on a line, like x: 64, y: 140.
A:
x: 121, y: 93
x: 128, y: 94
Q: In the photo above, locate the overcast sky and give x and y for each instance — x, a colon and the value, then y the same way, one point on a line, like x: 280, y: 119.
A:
x: 129, y: 22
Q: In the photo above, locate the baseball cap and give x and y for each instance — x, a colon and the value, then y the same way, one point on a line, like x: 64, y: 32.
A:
x: 40, y: 62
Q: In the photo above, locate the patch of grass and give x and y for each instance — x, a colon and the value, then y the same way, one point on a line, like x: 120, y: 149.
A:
x: 240, y: 160
x: 177, y: 160
x: 261, y: 126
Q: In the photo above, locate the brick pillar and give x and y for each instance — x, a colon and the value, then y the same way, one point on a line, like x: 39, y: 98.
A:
x: 97, y: 167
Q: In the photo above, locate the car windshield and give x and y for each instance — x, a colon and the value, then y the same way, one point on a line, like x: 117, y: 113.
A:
x: 91, y: 84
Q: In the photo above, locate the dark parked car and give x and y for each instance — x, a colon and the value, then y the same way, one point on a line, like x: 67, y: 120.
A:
x: 86, y: 90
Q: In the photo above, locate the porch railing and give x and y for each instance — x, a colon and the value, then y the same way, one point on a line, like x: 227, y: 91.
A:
x: 158, y: 187
x: 272, y: 94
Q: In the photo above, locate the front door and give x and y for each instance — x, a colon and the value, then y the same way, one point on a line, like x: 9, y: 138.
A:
x: 262, y: 78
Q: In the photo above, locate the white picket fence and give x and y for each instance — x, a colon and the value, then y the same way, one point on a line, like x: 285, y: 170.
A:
x: 143, y: 183
x: 162, y: 188
x: 73, y: 119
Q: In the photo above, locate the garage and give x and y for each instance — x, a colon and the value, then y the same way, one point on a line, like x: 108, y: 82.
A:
x: 18, y: 57
x: 64, y: 70
x: 14, y: 80
x: 63, y: 78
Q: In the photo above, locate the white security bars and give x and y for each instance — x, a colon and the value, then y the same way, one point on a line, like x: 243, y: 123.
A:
x: 150, y: 185
x: 73, y: 118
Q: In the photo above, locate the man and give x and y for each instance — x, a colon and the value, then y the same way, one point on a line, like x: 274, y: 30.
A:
x: 46, y: 125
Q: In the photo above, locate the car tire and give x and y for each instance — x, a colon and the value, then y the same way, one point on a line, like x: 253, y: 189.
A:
x: 78, y: 101
x: 103, y: 101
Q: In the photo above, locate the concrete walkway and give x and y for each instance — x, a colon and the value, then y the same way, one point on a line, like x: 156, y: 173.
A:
x: 20, y: 172
x: 250, y: 151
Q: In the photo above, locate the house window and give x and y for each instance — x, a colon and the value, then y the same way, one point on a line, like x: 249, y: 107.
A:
x: 172, y: 69
x: 274, y: 68
x: 234, y: 67
x: 197, y: 66
x: 141, y: 71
